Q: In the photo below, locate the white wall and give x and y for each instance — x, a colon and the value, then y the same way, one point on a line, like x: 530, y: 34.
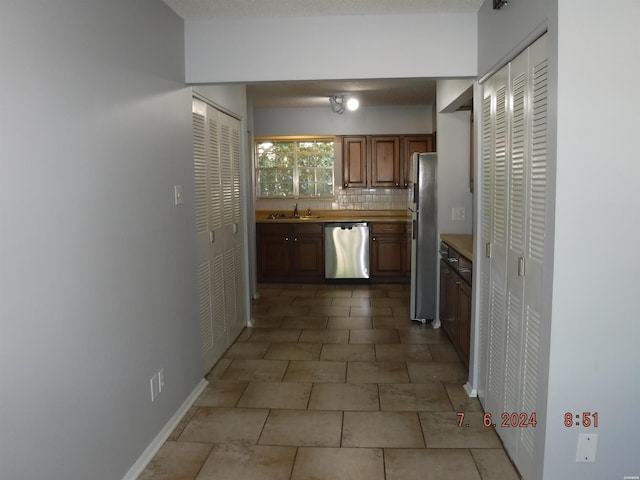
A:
x: 97, y: 278
x: 315, y: 48
x: 594, y: 362
x: 505, y: 32
x: 364, y: 121
x: 589, y: 327
x: 454, y: 150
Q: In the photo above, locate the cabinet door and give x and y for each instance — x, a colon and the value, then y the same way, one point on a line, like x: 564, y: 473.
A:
x: 308, y: 257
x: 410, y: 145
x: 445, y: 272
x: 450, y: 322
x: 385, y: 162
x: 274, y: 252
x: 354, y: 162
x: 464, y: 321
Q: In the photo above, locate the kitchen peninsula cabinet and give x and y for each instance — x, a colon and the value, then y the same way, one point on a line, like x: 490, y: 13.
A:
x: 455, y: 298
x: 390, y: 252
x: 290, y: 252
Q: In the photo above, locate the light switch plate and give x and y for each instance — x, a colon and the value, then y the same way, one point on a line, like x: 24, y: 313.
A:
x: 587, y: 445
x: 177, y: 194
x: 458, y: 213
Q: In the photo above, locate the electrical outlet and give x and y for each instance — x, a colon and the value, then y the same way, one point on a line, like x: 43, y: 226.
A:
x: 587, y: 445
x: 161, y: 380
x: 458, y: 213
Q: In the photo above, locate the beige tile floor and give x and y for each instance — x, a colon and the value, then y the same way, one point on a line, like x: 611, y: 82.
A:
x: 334, y: 382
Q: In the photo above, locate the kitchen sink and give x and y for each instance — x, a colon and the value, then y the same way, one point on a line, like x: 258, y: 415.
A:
x: 282, y: 216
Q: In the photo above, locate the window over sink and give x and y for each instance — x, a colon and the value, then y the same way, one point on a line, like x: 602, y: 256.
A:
x: 294, y: 167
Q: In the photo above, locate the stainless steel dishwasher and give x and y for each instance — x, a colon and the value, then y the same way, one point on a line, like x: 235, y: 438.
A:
x: 346, y: 253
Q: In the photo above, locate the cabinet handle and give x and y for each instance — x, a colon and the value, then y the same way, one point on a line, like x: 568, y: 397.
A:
x: 286, y: 239
x: 465, y: 270
x: 374, y: 239
x: 521, y: 267
x: 295, y: 239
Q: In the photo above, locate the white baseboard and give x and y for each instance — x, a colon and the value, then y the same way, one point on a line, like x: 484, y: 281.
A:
x: 157, y: 442
x: 472, y: 392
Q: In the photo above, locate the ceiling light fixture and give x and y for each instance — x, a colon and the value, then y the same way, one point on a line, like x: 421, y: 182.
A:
x: 339, y: 103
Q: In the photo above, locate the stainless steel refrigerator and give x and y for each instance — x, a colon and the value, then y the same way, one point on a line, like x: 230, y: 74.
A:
x: 424, y: 242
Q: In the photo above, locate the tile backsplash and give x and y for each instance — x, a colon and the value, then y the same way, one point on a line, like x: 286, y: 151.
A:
x: 345, y: 199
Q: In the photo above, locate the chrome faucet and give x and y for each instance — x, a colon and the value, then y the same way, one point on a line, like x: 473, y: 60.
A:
x: 295, y: 211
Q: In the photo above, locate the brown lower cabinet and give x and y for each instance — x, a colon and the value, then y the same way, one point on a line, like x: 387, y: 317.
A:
x: 294, y: 252
x: 455, y: 301
x: 290, y: 252
x: 390, y: 252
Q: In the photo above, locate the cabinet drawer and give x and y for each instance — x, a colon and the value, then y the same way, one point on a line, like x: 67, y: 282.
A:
x: 308, y: 229
x: 273, y: 228
x: 382, y: 228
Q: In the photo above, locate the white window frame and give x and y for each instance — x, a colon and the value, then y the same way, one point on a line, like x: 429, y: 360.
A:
x: 296, y: 184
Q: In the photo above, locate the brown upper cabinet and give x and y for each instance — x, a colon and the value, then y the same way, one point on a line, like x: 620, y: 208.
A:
x: 413, y: 144
x: 385, y: 162
x: 380, y: 161
x: 354, y: 162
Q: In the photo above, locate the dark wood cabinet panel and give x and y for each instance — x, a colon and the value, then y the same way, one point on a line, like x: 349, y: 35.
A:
x: 413, y: 144
x: 381, y: 161
x: 464, y: 320
x: 308, y: 257
x: 455, y: 300
x: 385, y: 162
x: 390, y: 251
x: 290, y: 253
x: 354, y: 162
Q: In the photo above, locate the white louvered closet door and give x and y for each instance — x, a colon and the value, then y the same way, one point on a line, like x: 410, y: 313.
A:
x: 495, y: 289
x: 486, y: 226
x: 232, y: 222
x: 510, y: 305
x: 535, y: 225
x: 216, y: 140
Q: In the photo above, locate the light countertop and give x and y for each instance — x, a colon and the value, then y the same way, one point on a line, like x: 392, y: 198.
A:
x: 462, y: 243
x: 322, y: 216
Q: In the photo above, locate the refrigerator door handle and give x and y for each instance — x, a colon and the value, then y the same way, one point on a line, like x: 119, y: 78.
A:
x: 414, y: 229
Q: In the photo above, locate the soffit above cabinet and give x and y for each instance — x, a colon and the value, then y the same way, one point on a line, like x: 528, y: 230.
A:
x: 217, y: 9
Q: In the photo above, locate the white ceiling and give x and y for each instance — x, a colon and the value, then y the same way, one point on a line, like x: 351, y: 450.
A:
x: 315, y: 93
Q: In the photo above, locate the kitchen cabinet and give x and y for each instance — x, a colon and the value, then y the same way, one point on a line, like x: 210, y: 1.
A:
x: 390, y: 252
x: 455, y: 299
x: 385, y: 162
x: 413, y: 144
x: 354, y: 162
x: 371, y: 162
x: 290, y: 252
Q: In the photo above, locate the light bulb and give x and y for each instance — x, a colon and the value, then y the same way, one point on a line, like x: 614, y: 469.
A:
x: 353, y: 104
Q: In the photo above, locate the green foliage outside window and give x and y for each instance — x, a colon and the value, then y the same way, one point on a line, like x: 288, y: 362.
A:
x: 295, y: 168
